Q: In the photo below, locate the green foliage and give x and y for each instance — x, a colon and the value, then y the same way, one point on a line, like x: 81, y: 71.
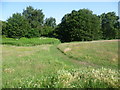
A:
x: 17, y: 26
x: 29, y: 42
x: 47, y: 31
x: 34, y: 16
x: 29, y: 24
x: 3, y: 27
x: 50, y: 22
x: 32, y: 33
x: 79, y: 25
x: 110, y: 25
x: 49, y: 27
x: 1, y: 24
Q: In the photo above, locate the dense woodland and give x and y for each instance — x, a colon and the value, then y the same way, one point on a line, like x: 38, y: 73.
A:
x: 81, y: 25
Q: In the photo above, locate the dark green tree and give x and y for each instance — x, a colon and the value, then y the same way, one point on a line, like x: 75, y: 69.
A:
x: 35, y: 18
x: 79, y: 25
x: 4, y: 29
x: 47, y: 31
x: 17, y: 26
x: 49, y: 27
x: 1, y: 27
x: 110, y: 25
x: 50, y: 22
x: 32, y: 33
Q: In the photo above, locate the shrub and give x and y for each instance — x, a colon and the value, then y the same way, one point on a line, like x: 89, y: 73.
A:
x: 30, y: 41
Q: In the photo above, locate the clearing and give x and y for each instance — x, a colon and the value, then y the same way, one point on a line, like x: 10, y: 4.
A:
x: 39, y: 66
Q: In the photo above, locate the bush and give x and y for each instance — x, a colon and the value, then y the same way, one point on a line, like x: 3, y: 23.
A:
x: 30, y: 41
x: 81, y: 25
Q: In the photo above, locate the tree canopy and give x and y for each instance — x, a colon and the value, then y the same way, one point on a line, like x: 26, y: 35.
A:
x: 17, y: 26
x: 50, y: 22
x: 109, y: 25
x: 28, y: 24
x: 79, y: 25
x: 34, y: 16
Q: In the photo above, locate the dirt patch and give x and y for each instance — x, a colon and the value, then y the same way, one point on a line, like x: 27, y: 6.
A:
x: 67, y: 49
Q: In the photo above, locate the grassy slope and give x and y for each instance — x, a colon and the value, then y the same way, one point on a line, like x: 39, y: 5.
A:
x: 93, y: 53
x: 29, y: 66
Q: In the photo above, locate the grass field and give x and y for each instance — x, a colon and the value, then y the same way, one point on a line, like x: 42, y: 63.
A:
x: 67, y: 65
x: 93, y: 53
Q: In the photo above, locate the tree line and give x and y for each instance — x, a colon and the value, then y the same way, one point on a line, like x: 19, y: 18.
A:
x: 81, y: 25
x: 30, y: 23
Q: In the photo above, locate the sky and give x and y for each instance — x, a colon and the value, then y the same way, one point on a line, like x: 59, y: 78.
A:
x: 56, y: 9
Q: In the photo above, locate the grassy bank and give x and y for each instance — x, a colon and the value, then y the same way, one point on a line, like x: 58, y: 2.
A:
x: 100, y: 53
x: 44, y: 66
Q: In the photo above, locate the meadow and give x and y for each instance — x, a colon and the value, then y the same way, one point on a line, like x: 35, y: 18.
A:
x: 51, y: 64
x: 98, y: 53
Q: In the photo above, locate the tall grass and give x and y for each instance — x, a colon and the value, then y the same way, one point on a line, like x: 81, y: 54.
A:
x: 72, y: 78
x: 83, y: 78
x: 30, y: 41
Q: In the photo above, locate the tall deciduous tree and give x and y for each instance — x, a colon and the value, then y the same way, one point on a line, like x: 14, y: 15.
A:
x: 34, y: 16
x: 50, y: 22
x: 17, y: 26
x: 4, y: 30
x: 49, y: 27
x: 110, y: 25
x: 1, y: 27
x: 79, y: 25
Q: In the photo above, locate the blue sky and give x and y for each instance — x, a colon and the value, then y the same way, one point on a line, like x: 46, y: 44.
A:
x: 57, y: 9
